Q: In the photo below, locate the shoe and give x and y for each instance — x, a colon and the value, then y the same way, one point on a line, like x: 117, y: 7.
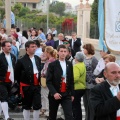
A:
x: 10, y: 119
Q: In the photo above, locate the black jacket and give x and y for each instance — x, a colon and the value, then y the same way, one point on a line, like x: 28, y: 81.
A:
x: 4, y: 65
x: 76, y: 46
x: 24, y: 70
x: 53, y: 78
x: 56, y: 44
x: 104, y: 104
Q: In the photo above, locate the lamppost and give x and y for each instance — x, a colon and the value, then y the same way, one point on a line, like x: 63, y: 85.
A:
x: 8, y: 14
x: 48, y: 3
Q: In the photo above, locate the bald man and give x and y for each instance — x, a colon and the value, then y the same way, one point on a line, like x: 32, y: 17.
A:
x: 105, y: 97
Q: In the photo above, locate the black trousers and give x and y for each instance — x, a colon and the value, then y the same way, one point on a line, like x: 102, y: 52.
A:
x: 66, y: 103
x: 88, y: 107
x: 32, y: 97
x: 77, y: 110
x: 4, y: 91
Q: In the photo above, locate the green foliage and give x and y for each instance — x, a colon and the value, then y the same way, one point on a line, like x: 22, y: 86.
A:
x: 1, y: 3
x: 24, y: 11
x: 58, y: 8
x: 2, y: 10
x: 94, y: 12
x: 17, y: 8
x: 94, y: 32
x: 32, y: 18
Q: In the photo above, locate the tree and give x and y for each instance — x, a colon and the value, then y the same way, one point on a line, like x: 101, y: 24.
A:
x: 58, y: 8
x: 94, y: 12
x: 24, y: 11
x: 94, y: 32
x: 17, y: 8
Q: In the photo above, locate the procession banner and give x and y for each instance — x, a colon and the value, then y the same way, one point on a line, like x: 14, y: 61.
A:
x: 102, y: 45
x: 112, y: 24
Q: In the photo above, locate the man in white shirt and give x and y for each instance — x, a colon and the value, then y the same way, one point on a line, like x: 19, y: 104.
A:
x: 105, y: 97
x: 60, y: 84
x: 75, y: 44
x: 7, y: 64
x: 59, y: 41
x: 27, y: 74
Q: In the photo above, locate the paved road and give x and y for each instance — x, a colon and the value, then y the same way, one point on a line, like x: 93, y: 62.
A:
x: 19, y: 116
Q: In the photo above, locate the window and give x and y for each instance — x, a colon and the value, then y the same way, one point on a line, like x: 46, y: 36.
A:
x: 34, y: 5
x: 25, y: 5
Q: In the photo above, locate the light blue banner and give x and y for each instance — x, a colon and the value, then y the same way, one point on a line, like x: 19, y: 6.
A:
x: 102, y: 45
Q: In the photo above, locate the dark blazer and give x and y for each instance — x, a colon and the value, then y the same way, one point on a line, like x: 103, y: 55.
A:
x: 53, y: 78
x: 24, y: 70
x: 56, y: 44
x: 104, y: 104
x: 76, y: 46
x: 4, y: 65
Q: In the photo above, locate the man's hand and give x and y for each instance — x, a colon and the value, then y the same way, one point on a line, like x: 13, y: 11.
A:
x: 118, y: 96
x: 57, y: 96
x: 99, y: 80
x: 72, y: 97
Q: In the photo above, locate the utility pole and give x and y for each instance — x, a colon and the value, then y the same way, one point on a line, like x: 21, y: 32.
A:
x: 48, y: 4
x: 8, y: 15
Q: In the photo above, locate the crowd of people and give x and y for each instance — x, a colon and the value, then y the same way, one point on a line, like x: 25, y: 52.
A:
x: 57, y: 72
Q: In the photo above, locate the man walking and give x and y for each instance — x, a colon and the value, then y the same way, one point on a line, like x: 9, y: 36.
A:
x: 27, y: 74
x: 60, y: 84
x: 7, y: 64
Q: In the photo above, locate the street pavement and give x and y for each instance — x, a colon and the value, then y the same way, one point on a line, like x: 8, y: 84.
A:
x: 19, y: 116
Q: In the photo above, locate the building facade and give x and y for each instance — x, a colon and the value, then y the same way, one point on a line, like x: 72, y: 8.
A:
x: 32, y: 4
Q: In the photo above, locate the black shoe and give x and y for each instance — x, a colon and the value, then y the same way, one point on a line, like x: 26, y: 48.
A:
x: 10, y: 119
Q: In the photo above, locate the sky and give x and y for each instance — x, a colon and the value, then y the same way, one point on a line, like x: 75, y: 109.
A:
x: 75, y: 2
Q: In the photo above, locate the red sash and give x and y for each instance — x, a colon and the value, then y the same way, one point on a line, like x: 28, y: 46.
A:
x: 63, y: 85
x: 21, y: 90
x: 7, y: 77
x: 118, y: 118
x: 36, y: 82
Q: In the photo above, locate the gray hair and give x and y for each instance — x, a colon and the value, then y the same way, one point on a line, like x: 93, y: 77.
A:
x: 79, y: 56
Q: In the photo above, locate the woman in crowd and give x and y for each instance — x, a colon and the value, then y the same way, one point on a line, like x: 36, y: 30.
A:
x: 50, y: 40
x: 52, y: 56
x: 90, y: 62
x: 3, y: 33
x: 101, y: 64
x: 34, y: 35
x: 24, y: 38
x: 107, y: 58
x: 43, y: 56
x: 15, y: 37
x: 79, y: 71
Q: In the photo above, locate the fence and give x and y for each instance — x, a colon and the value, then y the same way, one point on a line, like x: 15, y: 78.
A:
x: 25, y: 25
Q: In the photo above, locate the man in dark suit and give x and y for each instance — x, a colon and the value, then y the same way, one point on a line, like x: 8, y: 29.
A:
x: 59, y: 41
x: 105, y: 97
x: 75, y: 44
x: 7, y: 64
x: 27, y: 74
x: 60, y: 84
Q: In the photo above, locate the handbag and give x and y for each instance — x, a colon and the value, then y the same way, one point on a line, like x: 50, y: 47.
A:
x: 43, y: 82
